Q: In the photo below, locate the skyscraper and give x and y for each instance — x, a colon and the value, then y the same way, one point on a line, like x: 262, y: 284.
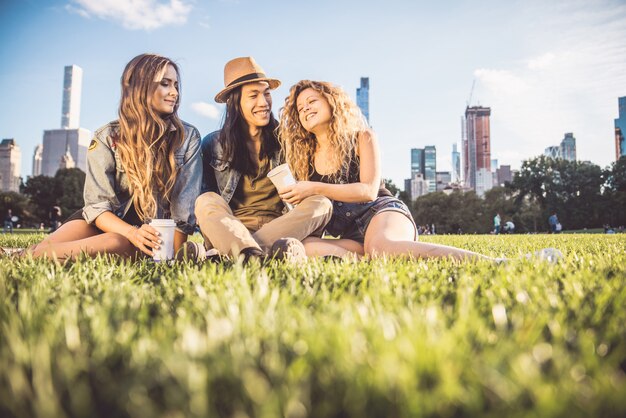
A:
x: 10, y: 166
x: 568, y: 147
x: 417, y: 161
x: 430, y: 167
x: 566, y: 150
x: 72, y: 88
x: 476, y: 146
x: 456, y: 165
x: 620, y: 129
x: 37, y: 157
x: 56, y: 141
x: 553, y: 151
x: 363, y: 97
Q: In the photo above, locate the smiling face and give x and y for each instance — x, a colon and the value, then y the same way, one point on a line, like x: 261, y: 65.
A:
x: 314, y: 111
x: 256, y: 104
x: 165, y: 96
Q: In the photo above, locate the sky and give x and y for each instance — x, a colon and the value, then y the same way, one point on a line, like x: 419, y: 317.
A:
x: 544, y: 67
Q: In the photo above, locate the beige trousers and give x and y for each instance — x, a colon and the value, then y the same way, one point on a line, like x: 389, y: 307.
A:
x: 226, y: 233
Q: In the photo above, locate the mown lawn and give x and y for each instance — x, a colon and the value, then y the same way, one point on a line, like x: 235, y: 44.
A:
x: 386, y: 338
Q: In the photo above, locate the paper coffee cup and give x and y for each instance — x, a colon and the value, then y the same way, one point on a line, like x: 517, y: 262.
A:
x: 281, y: 176
x: 166, y: 250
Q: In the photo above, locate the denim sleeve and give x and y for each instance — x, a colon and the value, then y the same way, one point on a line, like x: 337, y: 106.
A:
x: 99, y: 192
x: 188, y: 185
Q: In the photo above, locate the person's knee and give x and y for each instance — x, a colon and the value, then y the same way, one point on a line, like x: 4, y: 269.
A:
x: 373, y: 247
x: 319, y: 206
x: 205, y: 202
x: 115, y: 243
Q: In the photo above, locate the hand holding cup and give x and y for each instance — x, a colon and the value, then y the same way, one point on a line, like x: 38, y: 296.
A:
x: 281, y: 177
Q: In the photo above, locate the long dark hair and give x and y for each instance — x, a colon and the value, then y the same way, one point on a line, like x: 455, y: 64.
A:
x: 235, y: 132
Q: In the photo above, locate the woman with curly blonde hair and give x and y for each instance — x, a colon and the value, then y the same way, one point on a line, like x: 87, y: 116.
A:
x: 332, y: 152
x: 144, y: 165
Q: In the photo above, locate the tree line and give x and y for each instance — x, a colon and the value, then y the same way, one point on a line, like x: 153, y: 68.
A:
x: 39, y: 194
x: 581, y: 193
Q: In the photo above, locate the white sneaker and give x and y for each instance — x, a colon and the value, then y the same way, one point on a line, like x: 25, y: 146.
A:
x: 551, y: 255
x: 288, y: 249
x: 191, y: 251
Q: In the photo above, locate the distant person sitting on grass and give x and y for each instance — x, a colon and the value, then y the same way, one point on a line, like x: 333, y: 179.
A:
x: 144, y: 165
x: 8, y: 222
x: 332, y: 152
x: 55, y: 218
x: 553, y: 221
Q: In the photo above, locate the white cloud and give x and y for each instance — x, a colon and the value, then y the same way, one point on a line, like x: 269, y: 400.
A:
x: 206, y: 109
x: 541, y: 62
x: 135, y: 14
x: 572, y: 88
x: 501, y: 81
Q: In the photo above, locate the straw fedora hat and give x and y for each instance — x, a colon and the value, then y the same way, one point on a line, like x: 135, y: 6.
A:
x: 241, y: 71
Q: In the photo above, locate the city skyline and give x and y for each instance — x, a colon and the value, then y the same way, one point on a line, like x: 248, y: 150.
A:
x: 543, y: 69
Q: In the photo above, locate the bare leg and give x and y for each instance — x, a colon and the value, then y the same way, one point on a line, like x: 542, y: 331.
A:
x: 76, y: 237
x: 318, y: 247
x: 391, y: 233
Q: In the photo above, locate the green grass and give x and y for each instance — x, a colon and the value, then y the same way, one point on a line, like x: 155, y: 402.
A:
x: 388, y: 338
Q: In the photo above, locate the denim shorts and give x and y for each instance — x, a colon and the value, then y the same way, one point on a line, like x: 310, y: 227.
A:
x: 350, y: 220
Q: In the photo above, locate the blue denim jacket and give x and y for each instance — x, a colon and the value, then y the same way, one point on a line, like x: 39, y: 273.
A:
x: 106, y: 184
x: 218, y: 176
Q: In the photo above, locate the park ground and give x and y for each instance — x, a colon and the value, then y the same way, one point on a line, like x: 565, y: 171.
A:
x: 381, y: 338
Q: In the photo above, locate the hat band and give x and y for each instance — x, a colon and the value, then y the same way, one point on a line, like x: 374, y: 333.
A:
x: 247, y: 77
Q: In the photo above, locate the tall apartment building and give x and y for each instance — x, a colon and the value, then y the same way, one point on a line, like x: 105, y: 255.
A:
x: 430, y: 167
x: 444, y: 178
x: 56, y: 141
x: 568, y: 147
x: 416, y: 186
x: 10, y: 165
x: 417, y: 161
x: 363, y: 97
x: 620, y: 129
x: 37, y: 159
x: 456, y: 165
x: 503, y: 175
x: 476, y: 146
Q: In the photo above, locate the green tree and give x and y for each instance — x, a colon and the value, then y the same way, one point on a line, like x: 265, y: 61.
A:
x: 42, y: 193
x: 570, y: 188
x: 615, y: 193
x: 452, y: 213
x: 69, y: 185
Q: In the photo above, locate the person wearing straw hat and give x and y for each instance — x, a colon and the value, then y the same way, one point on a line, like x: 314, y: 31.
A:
x: 240, y: 212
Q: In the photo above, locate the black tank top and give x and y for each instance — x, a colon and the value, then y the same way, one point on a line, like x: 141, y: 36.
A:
x: 352, y: 176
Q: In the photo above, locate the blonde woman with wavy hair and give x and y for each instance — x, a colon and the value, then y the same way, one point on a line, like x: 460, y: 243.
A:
x: 333, y: 153
x: 144, y: 165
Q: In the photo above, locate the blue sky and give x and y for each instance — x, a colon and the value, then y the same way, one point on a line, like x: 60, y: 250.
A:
x: 545, y: 67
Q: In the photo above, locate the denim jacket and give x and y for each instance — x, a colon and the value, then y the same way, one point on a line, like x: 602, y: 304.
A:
x: 106, y: 183
x: 218, y: 176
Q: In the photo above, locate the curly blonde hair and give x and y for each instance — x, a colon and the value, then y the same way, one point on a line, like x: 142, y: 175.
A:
x: 299, y: 146
x: 147, y: 141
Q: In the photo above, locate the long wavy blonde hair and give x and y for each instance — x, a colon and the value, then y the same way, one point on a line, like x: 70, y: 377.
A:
x: 299, y: 146
x: 147, y: 140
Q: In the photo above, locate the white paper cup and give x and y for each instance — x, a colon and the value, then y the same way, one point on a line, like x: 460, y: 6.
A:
x: 281, y: 176
x: 166, y: 250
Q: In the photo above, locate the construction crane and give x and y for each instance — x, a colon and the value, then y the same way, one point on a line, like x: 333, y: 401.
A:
x: 469, y: 101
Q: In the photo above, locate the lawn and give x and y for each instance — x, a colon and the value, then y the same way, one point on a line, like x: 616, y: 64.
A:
x: 384, y: 338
